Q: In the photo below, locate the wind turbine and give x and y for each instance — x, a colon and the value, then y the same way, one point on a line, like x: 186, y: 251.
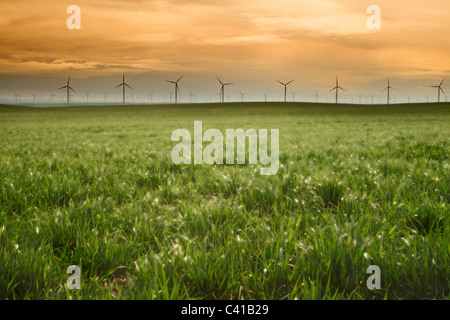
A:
x: 337, y: 89
x: 190, y: 96
x: 105, y: 94
x: 150, y: 95
x: 285, y: 88
x: 293, y: 95
x: 16, y: 95
x: 439, y: 90
x: 87, y: 97
x: 317, y: 95
x: 177, y: 89
x: 171, y: 95
x: 265, y: 97
x: 68, y: 87
x: 34, y: 97
x: 123, y: 84
x: 242, y: 96
x: 52, y: 95
x: 388, y: 88
x: 222, y: 90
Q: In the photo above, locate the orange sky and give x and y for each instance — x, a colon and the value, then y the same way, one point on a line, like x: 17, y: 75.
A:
x: 252, y: 43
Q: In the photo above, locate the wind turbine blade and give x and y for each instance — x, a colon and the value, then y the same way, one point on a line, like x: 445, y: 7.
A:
x: 281, y: 83
x: 290, y: 82
x: 68, y: 80
x: 180, y: 78
x: 434, y: 86
x: 62, y: 87
x: 219, y: 81
x: 118, y: 85
x: 442, y: 82
x: 71, y: 89
x: 227, y: 84
x: 128, y: 86
x: 342, y: 88
x: 332, y: 89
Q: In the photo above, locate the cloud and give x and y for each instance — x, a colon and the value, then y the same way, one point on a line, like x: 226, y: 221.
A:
x: 240, y: 39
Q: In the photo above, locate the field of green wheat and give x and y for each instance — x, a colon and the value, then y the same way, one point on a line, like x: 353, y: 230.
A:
x: 95, y: 186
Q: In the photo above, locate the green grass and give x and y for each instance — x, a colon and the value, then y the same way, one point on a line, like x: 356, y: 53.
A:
x: 95, y: 186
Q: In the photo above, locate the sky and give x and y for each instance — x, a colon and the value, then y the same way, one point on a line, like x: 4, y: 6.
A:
x: 252, y: 43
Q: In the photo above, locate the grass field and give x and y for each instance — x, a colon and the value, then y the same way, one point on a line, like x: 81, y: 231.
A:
x: 96, y: 187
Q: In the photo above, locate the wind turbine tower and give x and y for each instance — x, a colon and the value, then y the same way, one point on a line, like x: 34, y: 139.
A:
x: 293, y: 95
x: 337, y: 89
x: 439, y: 87
x: 388, y: 88
x: 242, y: 96
x: 177, y: 89
x: 68, y: 87
x: 285, y: 88
x: 123, y: 84
x: 222, y: 90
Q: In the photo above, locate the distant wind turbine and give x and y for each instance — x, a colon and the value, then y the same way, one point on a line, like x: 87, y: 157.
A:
x: 52, y: 96
x: 87, y: 97
x: 316, y: 95
x: 177, y: 89
x: 123, y: 84
x: 285, y: 88
x: 265, y: 97
x: 190, y: 96
x: 171, y: 95
x: 105, y: 94
x: 16, y: 95
x: 68, y: 87
x: 293, y: 95
x: 337, y: 89
x: 242, y: 96
x: 388, y: 88
x: 34, y: 97
x: 222, y: 90
x: 439, y: 90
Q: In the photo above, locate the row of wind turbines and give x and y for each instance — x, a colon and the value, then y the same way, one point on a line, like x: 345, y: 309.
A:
x: 123, y: 84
